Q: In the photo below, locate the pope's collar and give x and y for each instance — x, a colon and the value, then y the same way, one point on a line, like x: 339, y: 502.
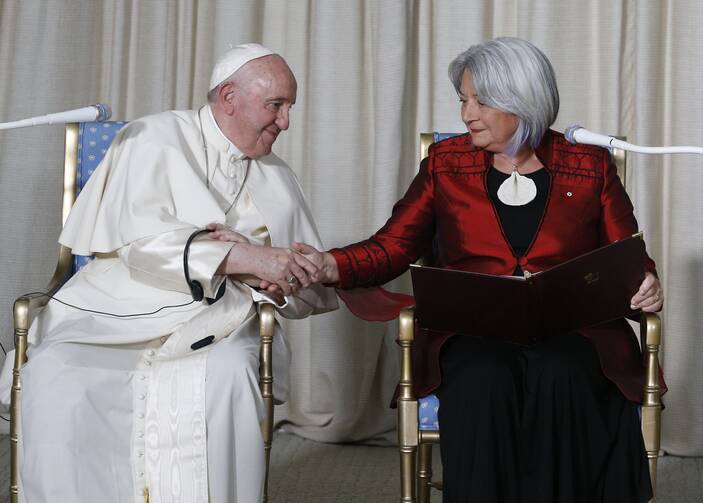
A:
x: 215, y: 136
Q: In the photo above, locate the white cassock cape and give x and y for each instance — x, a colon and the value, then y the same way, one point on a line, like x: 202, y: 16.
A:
x: 114, y: 406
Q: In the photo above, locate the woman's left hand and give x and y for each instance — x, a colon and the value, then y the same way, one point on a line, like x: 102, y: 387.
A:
x: 650, y: 297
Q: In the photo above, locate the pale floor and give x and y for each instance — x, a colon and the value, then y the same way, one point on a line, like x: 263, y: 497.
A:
x: 312, y: 472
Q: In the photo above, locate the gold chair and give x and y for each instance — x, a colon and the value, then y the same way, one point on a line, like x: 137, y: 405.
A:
x: 415, y: 441
x: 78, y: 139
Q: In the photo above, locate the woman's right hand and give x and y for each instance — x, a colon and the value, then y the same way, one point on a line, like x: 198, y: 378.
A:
x: 328, y: 271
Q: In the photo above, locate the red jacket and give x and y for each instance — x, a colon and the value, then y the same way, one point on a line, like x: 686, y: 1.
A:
x: 587, y: 207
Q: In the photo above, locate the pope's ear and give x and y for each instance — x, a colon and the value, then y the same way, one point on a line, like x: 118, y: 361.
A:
x: 226, y: 98
x: 227, y: 95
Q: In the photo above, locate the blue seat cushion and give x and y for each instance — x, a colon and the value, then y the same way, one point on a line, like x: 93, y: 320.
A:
x: 427, y: 412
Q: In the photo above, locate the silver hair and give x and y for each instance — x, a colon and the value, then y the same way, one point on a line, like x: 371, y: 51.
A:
x: 514, y: 76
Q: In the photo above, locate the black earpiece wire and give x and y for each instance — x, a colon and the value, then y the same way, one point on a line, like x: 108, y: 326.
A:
x: 194, y: 286
x: 132, y: 315
x: 43, y: 294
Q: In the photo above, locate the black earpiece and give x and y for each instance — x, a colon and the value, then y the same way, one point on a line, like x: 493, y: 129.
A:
x: 196, y: 289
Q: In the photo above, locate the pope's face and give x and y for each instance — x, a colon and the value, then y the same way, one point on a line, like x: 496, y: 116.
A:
x: 490, y: 128
x: 261, y: 107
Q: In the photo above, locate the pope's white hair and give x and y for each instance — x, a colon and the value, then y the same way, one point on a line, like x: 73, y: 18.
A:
x: 514, y: 76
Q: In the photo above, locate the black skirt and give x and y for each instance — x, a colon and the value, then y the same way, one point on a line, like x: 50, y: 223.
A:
x: 539, y: 424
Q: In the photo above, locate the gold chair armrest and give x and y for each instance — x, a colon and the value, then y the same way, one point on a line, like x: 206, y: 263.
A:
x: 25, y: 307
x: 406, y: 395
x: 267, y: 327
x: 64, y: 267
x: 24, y: 310
x: 406, y: 337
x: 407, y: 402
x: 407, y: 324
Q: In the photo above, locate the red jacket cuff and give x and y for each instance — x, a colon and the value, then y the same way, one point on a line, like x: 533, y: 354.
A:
x: 344, y: 266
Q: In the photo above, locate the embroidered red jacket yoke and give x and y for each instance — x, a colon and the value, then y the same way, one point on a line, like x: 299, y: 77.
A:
x: 587, y: 207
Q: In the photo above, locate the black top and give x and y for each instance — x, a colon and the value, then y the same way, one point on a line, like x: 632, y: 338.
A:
x: 519, y: 223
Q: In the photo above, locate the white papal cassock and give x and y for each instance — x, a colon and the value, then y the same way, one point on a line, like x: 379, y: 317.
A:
x: 112, y: 406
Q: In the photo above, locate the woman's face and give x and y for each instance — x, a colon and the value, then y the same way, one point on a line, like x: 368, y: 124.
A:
x: 490, y: 128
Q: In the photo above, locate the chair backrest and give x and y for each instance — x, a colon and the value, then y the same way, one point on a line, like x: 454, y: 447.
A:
x: 619, y: 157
x: 85, y: 146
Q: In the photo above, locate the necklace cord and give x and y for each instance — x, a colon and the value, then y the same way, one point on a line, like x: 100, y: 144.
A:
x: 516, y: 164
x: 207, y: 158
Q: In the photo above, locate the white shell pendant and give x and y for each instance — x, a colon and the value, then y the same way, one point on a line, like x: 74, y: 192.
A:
x: 517, y: 190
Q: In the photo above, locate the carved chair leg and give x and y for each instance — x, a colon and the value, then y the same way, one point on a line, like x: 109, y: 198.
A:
x: 407, y: 473
x: 267, y: 430
x: 407, y: 409
x: 650, y: 335
x: 424, y: 472
x: 21, y: 322
x: 267, y: 327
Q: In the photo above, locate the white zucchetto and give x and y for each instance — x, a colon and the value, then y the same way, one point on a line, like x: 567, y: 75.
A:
x: 234, y: 59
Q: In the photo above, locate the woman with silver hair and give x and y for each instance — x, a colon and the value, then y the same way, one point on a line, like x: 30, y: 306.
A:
x: 556, y: 421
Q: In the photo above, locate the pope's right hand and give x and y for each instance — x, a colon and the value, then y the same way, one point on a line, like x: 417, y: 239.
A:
x: 287, y: 269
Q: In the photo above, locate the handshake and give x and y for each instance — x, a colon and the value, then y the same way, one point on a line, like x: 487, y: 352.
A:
x: 279, y: 271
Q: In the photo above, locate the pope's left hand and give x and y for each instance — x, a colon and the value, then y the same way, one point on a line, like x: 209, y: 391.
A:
x: 220, y: 232
x: 650, y: 297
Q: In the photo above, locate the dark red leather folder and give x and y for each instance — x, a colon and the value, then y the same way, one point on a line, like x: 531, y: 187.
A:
x: 590, y: 289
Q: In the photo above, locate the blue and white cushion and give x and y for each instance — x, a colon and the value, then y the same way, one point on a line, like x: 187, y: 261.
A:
x: 444, y: 136
x: 427, y: 412
x: 94, y: 138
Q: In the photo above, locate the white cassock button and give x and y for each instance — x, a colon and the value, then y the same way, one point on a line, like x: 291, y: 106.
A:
x: 140, y: 474
x: 232, y: 159
x: 150, y: 352
x: 569, y: 194
x: 162, y: 339
x: 142, y: 377
x: 140, y: 415
x: 147, y: 363
x: 140, y: 435
x: 140, y: 454
x: 142, y: 396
